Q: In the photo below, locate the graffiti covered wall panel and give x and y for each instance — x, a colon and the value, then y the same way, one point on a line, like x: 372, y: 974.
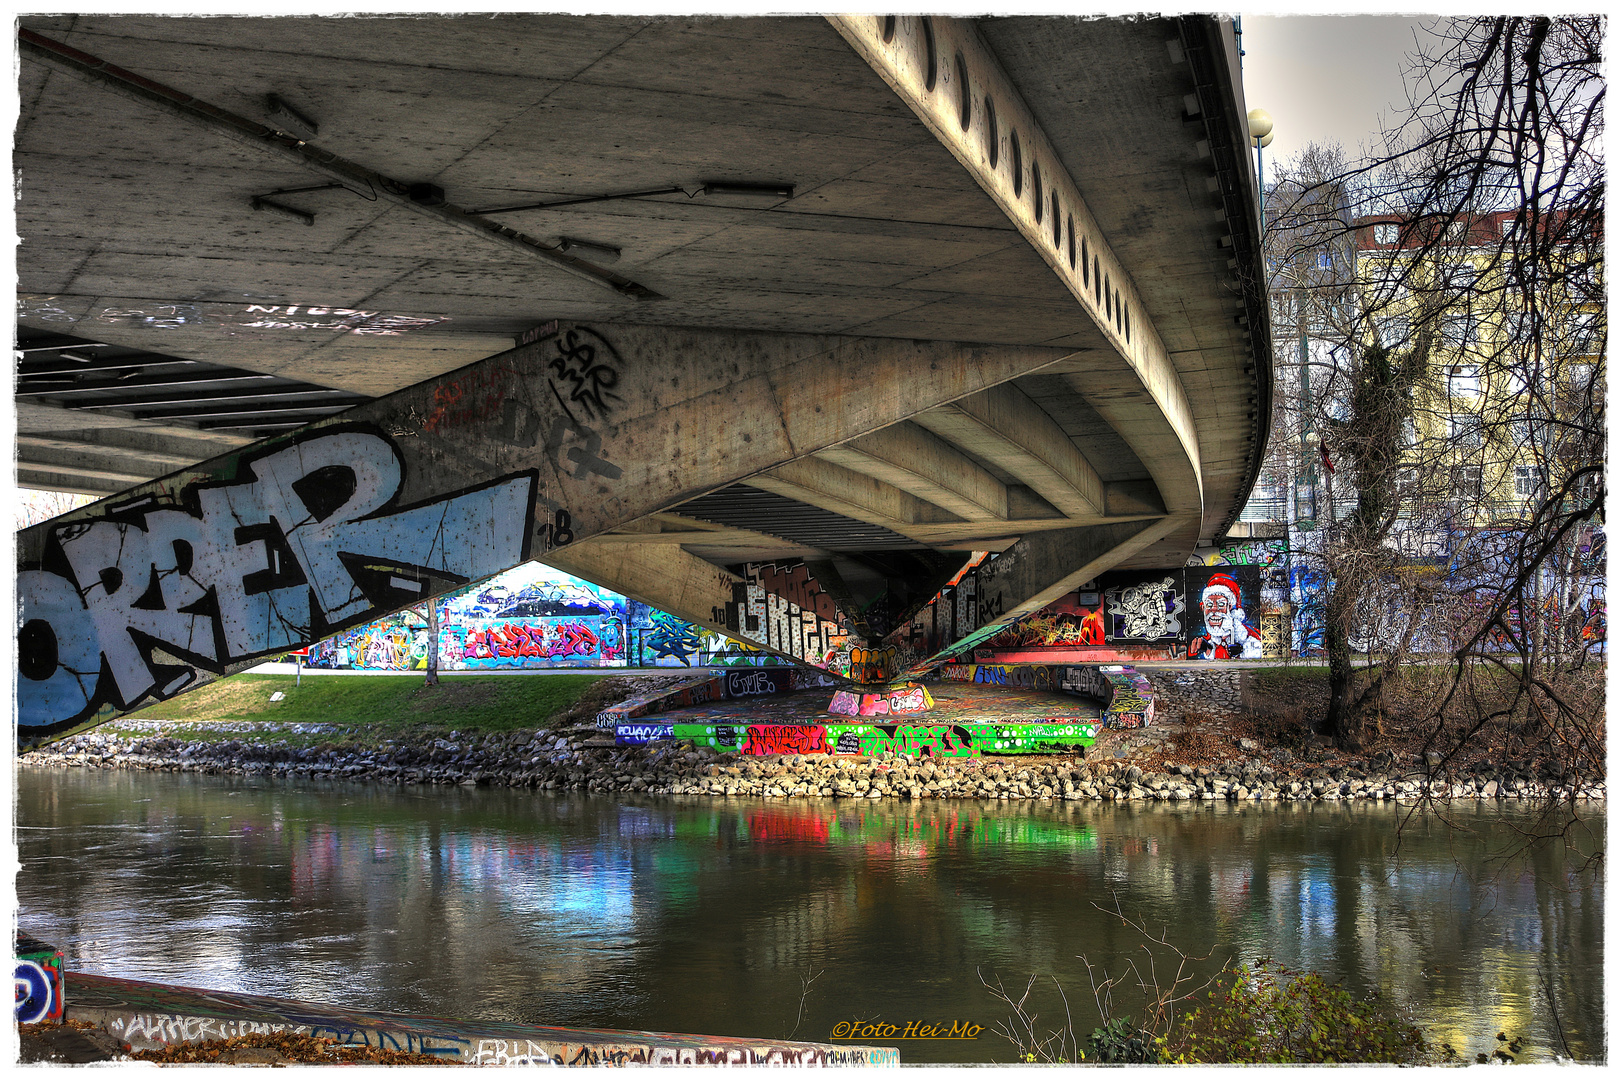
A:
x: 136, y: 597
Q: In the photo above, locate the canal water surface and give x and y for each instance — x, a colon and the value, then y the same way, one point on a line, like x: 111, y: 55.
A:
x: 773, y: 918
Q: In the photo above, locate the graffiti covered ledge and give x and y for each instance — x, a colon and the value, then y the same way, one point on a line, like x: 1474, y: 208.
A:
x: 148, y: 1015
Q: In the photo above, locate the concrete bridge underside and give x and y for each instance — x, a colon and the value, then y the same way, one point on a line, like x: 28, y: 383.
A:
x: 891, y: 292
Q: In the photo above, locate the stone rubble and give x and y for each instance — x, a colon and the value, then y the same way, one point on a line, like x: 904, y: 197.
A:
x: 579, y: 760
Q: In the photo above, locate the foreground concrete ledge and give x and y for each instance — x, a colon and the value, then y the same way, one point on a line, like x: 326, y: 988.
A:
x: 148, y: 1015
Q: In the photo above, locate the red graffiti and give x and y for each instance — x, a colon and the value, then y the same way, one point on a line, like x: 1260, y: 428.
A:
x: 479, y: 395
x: 786, y: 739
x: 516, y: 640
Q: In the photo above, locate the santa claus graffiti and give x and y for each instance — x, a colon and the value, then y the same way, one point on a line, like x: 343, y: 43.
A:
x: 1226, y: 635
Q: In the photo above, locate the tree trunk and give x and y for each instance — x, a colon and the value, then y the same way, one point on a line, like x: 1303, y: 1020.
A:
x: 433, y: 643
x: 1346, y: 716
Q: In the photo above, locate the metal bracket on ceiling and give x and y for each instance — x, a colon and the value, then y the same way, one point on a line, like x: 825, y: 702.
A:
x: 265, y: 202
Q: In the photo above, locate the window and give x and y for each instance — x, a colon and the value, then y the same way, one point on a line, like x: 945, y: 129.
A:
x: 1463, y: 380
x: 1586, y: 329
x: 1464, y: 430
x: 1324, y: 260
x: 1527, y: 481
x: 1461, y: 276
x: 1467, y: 481
x: 1386, y: 233
x: 1458, y: 328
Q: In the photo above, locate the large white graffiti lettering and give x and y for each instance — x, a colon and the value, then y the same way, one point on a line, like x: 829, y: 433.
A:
x: 306, y: 540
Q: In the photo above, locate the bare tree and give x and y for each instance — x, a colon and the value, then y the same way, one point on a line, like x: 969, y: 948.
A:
x: 1479, y: 241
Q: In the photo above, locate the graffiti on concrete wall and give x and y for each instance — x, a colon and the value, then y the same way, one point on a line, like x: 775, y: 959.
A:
x: 305, y: 538
x: 397, y: 642
x: 1075, y: 619
x: 478, y: 644
x: 812, y: 631
x: 1124, y: 692
x: 149, y: 1015
x: 898, y: 700
x: 38, y: 978
x: 871, y: 740
x: 1221, y: 627
x: 1146, y: 610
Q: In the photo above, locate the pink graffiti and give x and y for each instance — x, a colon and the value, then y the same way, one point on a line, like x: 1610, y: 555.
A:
x: 845, y: 703
x: 786, y: 739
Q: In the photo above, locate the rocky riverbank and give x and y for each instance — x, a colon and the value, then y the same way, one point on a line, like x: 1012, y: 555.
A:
x: 582, y: 760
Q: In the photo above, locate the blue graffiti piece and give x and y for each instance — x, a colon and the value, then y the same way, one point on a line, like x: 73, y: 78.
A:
x: 639, y: 734
x: 281, y: 549
x: 58, y: 634
x: 34, y: 992
x: 673, y: 638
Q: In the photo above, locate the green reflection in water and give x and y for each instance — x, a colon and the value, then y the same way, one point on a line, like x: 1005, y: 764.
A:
x: 706, y: 915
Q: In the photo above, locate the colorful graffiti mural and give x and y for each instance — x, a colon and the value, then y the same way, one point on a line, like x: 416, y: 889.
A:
x: 870, y: 740
x: 38, y: 978
x: 534, y: 616
x: 1213, y: 608
x: 732, y: 685
x: 911, y: 698
x: 1125, y: 693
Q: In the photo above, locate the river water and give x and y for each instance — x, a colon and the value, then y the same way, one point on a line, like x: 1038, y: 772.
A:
x: 711, y: 915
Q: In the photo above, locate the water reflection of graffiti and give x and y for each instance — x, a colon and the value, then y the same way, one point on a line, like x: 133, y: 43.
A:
x: 307, y: 538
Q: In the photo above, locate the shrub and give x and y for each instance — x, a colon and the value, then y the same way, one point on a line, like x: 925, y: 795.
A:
x: 1266, y: 1014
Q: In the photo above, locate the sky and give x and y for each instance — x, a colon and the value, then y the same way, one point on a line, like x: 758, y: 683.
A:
x: 1327, y: 78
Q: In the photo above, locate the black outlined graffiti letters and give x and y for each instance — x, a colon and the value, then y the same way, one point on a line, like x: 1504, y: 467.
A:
x: 584, y: 371
x: 308, y: 537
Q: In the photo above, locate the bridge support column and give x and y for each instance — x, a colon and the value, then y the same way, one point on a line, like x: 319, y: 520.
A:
x: 528, y: 453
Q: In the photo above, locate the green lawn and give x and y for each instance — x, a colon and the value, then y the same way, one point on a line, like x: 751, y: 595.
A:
x: 380, y: 703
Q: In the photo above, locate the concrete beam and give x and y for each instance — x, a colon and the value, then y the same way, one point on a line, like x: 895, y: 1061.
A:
x: 585, y: 429
x: 1004, y: 427
x: 942, y: 69
x: 911, y: 458
x: 43, y: 448
x: 819, y: 482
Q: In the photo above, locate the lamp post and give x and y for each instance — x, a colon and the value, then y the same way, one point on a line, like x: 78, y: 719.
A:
x: 1260, y: 132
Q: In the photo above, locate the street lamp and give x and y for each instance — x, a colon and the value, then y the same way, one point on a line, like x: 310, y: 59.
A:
x: 1260, y: 132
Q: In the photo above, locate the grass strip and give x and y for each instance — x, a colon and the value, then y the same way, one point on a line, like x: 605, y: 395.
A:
x: 382, y: 703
